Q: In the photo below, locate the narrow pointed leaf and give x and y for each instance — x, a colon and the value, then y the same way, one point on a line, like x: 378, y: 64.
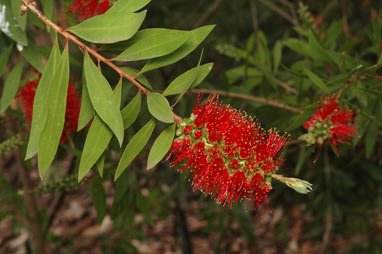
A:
x: 33, y: 55
x: 21, y: 19
x: 151, y: 43
x: 55, y: 117
x: 131, y: 111
x: 8, y: 24
x: 161, y: 146
x: 98, y: 196
x: 141, y: 78
x: 103, y: 100
x: 100, y: 164
x: 134, y: 147
x: 159, y: 107
x: 87, y: 110
x: 11, y: 85
x: 109, y: 27
x: 181, y: 83
x: 316, y: 80
x: 4, y: 57
x: 128, y: 6
x: 40, y: 101
x: 97, y: 140
x: 196, y: 37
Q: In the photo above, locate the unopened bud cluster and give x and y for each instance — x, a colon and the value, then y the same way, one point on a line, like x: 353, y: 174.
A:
x: 62, y: 184
x: 10, y: 144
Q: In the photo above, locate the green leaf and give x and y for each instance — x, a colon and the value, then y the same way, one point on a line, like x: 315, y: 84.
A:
x: 134, y: 147
x: 21, y: 20
x: 11, y: 86
x: 142, y: 79
x: 298, y: 46
x: 334, y: 31
x: 87, y: 110
x: 277, y: 54
x: 300, y: 119
x: 151, y: 43
x: 196, y: 37
x: 9, y: 26
x: 161, y: 146
x: 109, y: 27
x: 316, y: 80
x: 159, y: 107
x: 33, y: 55
x: 181, y: 83
x: 128, y: 5
x: 40, y: 101
x: 100, y: 164
x: 97, y: 139
x: 4, y: 57
x: 98, y: 196
x: 319, y: 53
x: 371, y: 139
x: 103, y: 99
x: 55, y: 114
x: 141, y: 203
x: 131, y: 111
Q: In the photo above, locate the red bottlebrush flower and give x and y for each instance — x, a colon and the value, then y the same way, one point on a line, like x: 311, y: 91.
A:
x: 73, y: 104
x: 330, y: 122
x: 84, y: 9
x: 227, y: 154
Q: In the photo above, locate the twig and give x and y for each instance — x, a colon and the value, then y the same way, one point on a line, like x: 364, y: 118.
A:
x: 251, y: 98
x: 281, y: 13
x: 254, y: 20
x: 209, y: 12
x: 68, y: 36
x: 292, y: 9
x: 286, y: 86
x: 31, y: 206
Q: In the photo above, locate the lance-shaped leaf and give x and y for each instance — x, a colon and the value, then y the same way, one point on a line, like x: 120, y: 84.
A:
x: 131, y: 111
x: 151, y: 43
x: 100, y: 164
x: 4, y: 57
x: 11, y: 85
x: 141, y: 78
x: 40, y: 101
x: 128, y: 5
x: 161, y: 146
x: 87, y: 110
x: 55, y: 114
x: 97, y: 139
x: 159, y: 107
x: 196, y: 37
x: 134, y: 147
x: 316, y: 80
x: 181, y: 83
x: 8, y: 24
x: 21, y: 19
x: 103, y: 99
x: 33, y: 55
x: 109, y: 27
x: 98, y: 196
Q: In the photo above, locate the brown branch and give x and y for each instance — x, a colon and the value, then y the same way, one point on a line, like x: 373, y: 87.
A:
x: 30, y: 4
x: 254, y: 19
x: 273, y: 103
x: 292, y: 9
x: 286, y: 86
x: 31, y: 206
x: 209, y: 12
x: 281, y: 12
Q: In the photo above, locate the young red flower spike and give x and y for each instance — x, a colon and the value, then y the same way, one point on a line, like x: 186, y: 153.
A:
x: 227, y: 154
x: 330, y: 122
x: 84, y: 9
x: 73, y: 104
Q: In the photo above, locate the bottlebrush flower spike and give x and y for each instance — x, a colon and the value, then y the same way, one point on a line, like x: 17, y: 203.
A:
x: 330, y: 122
x: 73, y: 104
x: 84, y: 9
x: 227, y: 154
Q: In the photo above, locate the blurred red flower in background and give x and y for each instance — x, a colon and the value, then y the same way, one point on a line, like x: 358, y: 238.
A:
x: 73, y: 104
x: 227, y: 154
x: 84, y: 9
x: 332, y: 122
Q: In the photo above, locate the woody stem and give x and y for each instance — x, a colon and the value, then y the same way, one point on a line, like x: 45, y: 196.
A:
x: 31, y: 5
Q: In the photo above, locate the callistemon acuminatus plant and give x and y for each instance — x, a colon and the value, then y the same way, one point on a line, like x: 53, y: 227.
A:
x: 330, y: 122
x: 227, y: 155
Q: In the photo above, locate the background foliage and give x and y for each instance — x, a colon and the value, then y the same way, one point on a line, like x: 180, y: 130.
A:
x: 319, y: 49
